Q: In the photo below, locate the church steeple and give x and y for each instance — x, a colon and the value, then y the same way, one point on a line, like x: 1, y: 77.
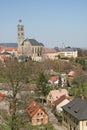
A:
x: 20, y: 29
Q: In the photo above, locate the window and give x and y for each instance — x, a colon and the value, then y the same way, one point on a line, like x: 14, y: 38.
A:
x: 41, y: 119
x: 37, y: 113
x: 38, y: 120
x: 41, y: 113
x: 21, y: 29
x: 22, y: 34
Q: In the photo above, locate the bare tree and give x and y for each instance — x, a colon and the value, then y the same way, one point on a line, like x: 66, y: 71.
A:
x: 14, y: 74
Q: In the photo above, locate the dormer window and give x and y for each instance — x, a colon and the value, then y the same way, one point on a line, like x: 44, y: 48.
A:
x: 76, y: 111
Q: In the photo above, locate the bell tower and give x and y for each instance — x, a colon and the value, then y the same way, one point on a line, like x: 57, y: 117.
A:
x: 20, y: 29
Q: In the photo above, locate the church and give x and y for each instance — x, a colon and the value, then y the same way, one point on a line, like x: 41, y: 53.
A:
x: 28, y: 47
x: 31, y: 48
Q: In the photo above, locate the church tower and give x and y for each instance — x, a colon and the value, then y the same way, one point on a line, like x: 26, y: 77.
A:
x: 20, y: 29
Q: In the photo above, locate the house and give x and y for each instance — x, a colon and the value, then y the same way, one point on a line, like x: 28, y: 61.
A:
x: 26, y: 89
x: 12, y: 50
x: 1, y: 48
x: 75, y: 115
x: 50, y: 53
x: 54, y: 80
x: 68, y: 52
x: 55, y: 95
x: 37, y: 114
x: 1, y: 96
x: 3, y: 58
x: 71, y: 74
x: 59, y: 103
x: 7, y: 54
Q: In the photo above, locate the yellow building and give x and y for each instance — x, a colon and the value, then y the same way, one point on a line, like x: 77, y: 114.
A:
x: 75, y: 115
x: 68, y: 52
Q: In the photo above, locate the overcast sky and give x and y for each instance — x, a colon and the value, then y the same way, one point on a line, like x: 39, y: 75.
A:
x: 51, y: 22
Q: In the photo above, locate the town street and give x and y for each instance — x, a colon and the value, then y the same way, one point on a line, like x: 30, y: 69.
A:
x: 53, y: 120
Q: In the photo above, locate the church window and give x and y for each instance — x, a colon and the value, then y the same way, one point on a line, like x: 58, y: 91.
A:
x: 22, y: 34
x: 21, y: 29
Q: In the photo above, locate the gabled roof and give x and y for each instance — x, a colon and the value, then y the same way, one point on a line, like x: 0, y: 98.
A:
x: 33, y: 108
x: 5, y: 53
x: 3, y: 57
x: 62, y: 98
x: 77, y: 108
x: 54, y: 78
x: 11, y: 49
x: 33, y: 42
x: 2, y: 95
x: 1, y: 48
x: 71, y: 74
x: 49, y: 50
x: 56, y: 94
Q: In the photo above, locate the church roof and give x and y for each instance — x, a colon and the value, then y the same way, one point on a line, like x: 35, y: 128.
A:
x: 33, y: 42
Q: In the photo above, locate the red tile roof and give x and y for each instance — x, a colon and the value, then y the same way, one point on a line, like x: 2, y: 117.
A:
x: 54, y: 78
x: 71, y: 74
x: 2, y: 95
x: 3, y: 57
x: 49, y: 50
x: 58, y: 101
x: 11, y: 49
x: 33, y: 108
x: 1, y: 48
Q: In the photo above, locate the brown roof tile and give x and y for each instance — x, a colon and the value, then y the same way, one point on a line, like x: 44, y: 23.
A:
x: 61, y: 99
x: 33, y: 108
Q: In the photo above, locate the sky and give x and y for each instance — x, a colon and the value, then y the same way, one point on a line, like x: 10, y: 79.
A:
x: 52, y: 22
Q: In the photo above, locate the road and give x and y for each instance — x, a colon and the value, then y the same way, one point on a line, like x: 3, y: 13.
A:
x: 53, y: 120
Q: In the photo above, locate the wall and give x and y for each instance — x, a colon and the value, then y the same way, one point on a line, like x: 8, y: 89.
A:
x: 40, y: 118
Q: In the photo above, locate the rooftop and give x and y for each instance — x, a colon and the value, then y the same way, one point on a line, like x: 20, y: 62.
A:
x: 33, y: 42
x: 33, y: 108
x: 77, y: 108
